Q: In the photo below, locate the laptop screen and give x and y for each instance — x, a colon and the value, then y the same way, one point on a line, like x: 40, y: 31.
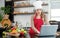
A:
x: 48, y: 30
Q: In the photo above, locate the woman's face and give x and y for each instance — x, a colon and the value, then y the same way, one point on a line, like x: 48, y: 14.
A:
x: 38, y: 11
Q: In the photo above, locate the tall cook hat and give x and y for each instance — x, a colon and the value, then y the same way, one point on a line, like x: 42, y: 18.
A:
x: 37, y: 4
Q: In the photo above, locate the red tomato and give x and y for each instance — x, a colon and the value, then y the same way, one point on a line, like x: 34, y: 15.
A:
x: 21, y: 33
x: 13, y: 28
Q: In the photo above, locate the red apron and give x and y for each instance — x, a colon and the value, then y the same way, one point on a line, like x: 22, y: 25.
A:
x: 37, y: 24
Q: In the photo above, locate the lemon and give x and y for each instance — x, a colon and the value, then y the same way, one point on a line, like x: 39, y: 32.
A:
x: 18, y: 30
x: 22, y: 30
x: 25, y: 31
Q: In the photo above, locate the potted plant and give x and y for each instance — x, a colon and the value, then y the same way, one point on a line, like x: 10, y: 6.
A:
x: 1, y: 17
x: 6, y: 11
x: 5, y: 21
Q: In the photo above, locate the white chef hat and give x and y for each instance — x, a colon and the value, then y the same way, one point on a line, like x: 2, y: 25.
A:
x: 37, y: 4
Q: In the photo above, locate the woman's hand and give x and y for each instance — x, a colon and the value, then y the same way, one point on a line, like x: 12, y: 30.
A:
x: 38, y: 32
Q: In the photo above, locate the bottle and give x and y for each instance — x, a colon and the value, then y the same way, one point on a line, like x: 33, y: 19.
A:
x: 20, y: 25
x: 16, y: 25
x: 27, y: 24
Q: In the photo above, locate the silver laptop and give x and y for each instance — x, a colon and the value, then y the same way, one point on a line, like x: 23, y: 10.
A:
x: 48, y: 30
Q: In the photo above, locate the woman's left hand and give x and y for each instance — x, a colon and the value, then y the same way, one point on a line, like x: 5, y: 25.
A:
x: 38, y: 32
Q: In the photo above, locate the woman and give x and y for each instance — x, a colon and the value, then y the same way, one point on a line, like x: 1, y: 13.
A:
x: 37, y: 20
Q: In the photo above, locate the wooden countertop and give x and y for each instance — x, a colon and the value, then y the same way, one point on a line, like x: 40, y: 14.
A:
x: 16, y: 35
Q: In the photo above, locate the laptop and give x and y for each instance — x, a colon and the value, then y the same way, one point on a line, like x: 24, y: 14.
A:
x: 48, y: 30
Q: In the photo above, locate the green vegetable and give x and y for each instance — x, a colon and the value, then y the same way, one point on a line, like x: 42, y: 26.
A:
x: 6, y: 9
x: 10, y: 30
x: 1, y: 17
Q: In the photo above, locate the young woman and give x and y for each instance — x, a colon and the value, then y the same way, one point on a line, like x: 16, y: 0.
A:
x: 37, y: 20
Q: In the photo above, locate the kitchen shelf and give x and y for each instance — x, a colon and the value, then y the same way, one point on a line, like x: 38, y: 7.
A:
x: 23, y: 6
x: 22, y: 13
x: 17, y: 0
x: 44, y: 4
x: 28, y: 6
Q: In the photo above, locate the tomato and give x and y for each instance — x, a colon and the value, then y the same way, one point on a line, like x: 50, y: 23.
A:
x: 22, y: 33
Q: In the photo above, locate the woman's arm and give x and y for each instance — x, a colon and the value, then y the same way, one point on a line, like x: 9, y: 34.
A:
x: 32, y: 25
x: 46, y: 20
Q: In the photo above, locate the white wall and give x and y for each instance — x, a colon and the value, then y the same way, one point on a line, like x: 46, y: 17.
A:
x: 2, y: 4
x: 55, y: 10
x: 23, y: 19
